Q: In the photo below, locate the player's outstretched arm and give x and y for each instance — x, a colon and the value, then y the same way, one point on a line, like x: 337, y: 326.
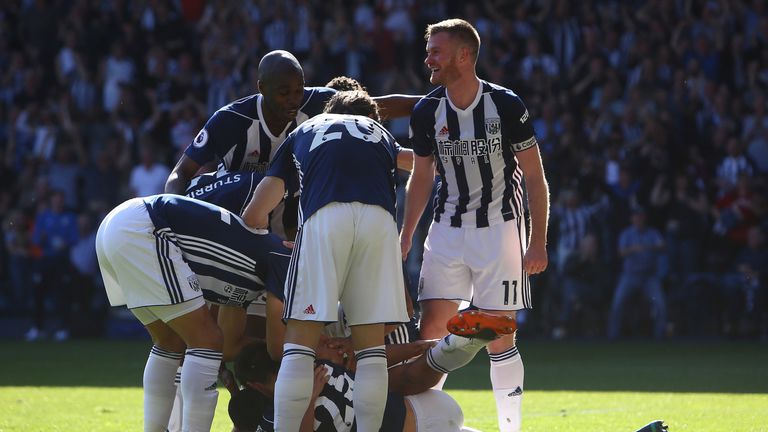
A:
x: 535, y: 259
x: 266, y: 197
x: 182, y: 173
x: 396, y: 105
x: 417, y: 194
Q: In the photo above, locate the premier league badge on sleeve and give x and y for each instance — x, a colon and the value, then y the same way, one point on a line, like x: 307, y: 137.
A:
x: 201, y: 138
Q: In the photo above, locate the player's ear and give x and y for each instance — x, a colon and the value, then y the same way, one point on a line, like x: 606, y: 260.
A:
x: 260, y: 86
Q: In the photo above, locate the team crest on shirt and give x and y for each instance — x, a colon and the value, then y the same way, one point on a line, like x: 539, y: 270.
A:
x: 492, y: 126
x: 201, y: 138
x: 194, y: 282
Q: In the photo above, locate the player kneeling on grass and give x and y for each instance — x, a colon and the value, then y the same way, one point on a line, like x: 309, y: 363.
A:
x: 158, y: 255
x: 411, y: 404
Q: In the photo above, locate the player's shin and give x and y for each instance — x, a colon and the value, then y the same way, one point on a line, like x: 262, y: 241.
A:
x: 507, y: 375
x: 293, y: 388
x: 159, y: 388
x: 198, y: 388
x: 370, y: 395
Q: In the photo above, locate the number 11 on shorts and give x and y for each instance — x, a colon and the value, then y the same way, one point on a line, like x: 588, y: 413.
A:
x: 506, y: 292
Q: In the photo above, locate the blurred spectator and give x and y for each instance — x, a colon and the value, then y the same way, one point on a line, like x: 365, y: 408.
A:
x: 149, y: 176
x: 640, y: 246
x: 55, y: 233
x: 18, y: 246
x: 584, y: 287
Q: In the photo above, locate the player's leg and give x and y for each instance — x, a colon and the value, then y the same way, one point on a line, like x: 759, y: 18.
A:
x: 370, y: 395
x: 373, y: 293
x: 293, y: 387
x: 202, y: 360
x: 444, y: 281
x: 449, y: 353
x: 432, y: 411
x: 311, y: 299
x: 501, y: 287
x: 160, y: 371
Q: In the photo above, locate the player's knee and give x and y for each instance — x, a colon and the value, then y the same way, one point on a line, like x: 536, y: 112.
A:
x: 169, y: 342
x: 436, y: 411
x: 209, y: 337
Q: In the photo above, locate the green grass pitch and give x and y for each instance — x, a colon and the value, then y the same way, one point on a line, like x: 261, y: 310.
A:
x: 571, y: 386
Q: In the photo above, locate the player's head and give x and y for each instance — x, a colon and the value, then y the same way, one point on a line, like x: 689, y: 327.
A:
x: 452, y: 49
x: 345, y: 83
x: 354, y: 102
x: 246, y: 408
x: 281, y: 82
x: 254, y: 367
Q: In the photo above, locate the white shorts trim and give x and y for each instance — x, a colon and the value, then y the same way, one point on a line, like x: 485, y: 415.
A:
x: 436, y: 411
x: 481, y: 265
x: 141, y: 267
x: 150, y: 314
x: 347, y: 252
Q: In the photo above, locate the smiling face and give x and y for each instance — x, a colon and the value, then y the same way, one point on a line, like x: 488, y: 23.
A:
x: 443, y: 52
x: 283, y: 94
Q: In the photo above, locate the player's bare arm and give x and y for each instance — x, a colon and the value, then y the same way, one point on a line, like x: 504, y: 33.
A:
x: 321, y: 378
x: 417, y: 193
x: 231, y: 321
x: 265, y: 198
x: 535, y: 259
x: 405, y: 159
x: 182, y: 173
x: 396, y: 105
x: 275, y: 327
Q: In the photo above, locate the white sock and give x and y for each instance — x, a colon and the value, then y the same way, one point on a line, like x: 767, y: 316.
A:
x: 198, y: 388
x: 370, y: 395
x: 507, y: 379
x: 174, y: 423
x: 293, y: 388
x: 159, y: 388
x: 453, y: 352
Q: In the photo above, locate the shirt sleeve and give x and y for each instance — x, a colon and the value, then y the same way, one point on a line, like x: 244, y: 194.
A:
x: 216, y: 138
x: 282, y: 164
x: 422, y: 130
x: 518, y: 124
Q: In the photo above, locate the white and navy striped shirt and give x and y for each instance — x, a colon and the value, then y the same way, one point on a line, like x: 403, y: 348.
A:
x: 237, y: 135
x: 233, y: 264
x: 481, y: 182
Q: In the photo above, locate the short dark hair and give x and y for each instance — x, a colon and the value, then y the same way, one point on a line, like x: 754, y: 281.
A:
x: 253, y: 364
x: 246, y: 409
x: 460, y: 29
x: 345, y: 83
x: 353, y: 102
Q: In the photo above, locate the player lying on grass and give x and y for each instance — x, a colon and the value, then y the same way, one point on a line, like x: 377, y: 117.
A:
x: 159, y: 256
x: 411, y: 404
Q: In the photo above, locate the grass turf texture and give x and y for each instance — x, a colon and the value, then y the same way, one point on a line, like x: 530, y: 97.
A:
x: 572, y: 386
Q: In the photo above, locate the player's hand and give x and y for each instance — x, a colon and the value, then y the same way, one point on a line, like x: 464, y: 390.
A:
x: 405, y: 245
x: 288, y: 244
x: 321, y: 378
x: 341, y: 344
x: 535, y: 260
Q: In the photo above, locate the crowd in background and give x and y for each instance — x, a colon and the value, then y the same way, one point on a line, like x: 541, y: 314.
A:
x: 651, y: 117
